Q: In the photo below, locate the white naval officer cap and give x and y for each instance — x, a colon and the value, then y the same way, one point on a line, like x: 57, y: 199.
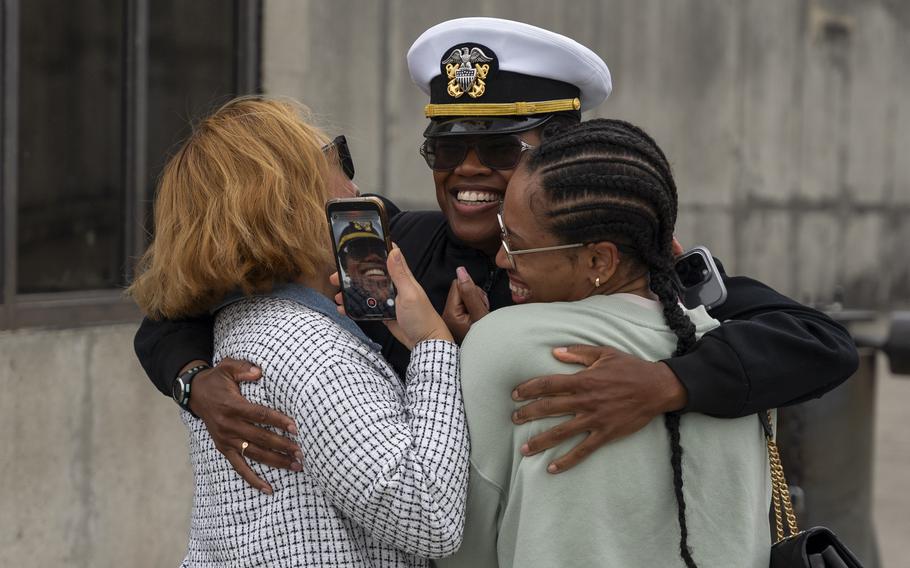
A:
x: 489, y: 75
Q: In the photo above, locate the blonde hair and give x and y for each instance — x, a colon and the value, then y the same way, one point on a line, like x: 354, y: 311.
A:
x: 240, y: 206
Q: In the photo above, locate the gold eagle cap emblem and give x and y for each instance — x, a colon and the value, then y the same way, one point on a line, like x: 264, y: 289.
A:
x: 363, y: 226
x: 463, y: 78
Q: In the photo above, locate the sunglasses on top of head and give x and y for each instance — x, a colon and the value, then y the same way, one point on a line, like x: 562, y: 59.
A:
x: 340, y: 145
x: 495, y: 152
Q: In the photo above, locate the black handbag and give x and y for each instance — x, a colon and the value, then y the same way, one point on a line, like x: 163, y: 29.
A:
x: 817, y: 547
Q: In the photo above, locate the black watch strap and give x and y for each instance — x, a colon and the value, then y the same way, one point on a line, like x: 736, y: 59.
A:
x: 183, y: 384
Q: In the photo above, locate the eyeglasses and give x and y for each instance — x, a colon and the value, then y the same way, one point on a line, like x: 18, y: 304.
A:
x: 495, y: 152
x: 340, y: 145
x: 510, y: 254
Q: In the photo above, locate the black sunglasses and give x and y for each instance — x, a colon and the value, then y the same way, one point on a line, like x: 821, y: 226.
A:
x: 359, y: 249
x: 495, y: 152
x: 340, y: 145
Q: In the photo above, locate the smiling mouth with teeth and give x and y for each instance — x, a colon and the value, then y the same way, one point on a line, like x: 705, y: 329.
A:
x: 478, y: 197
x: 519, y: 291
x: 374, y: 273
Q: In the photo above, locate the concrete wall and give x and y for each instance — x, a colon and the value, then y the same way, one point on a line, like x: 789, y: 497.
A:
x: 786, y: 121
x: 94, y: 460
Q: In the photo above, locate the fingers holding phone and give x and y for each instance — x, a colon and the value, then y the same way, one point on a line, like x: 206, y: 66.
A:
x: 375, y: 281
x: 417, y: 320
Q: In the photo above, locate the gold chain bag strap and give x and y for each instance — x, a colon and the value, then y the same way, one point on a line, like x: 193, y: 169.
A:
x: 780, y: 492
x: 816, y: 547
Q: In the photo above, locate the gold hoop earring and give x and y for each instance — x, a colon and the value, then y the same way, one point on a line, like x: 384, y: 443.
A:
x: 597, y: 282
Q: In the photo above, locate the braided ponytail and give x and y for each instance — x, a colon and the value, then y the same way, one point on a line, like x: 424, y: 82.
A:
x: 682, y: 326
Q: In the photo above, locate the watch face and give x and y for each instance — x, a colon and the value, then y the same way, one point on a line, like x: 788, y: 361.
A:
x: 178, y: 390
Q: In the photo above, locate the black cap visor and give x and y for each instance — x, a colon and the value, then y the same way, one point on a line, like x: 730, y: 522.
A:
x: 476, y: 125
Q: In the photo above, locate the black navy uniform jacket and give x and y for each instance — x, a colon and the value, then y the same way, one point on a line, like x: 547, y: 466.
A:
x: 769, y: 352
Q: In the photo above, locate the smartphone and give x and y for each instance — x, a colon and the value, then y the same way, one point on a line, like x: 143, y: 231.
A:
x: 699, y: 280
x: 359, y: 228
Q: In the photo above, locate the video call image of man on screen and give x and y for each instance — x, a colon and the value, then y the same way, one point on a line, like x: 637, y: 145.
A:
x: 362, y: 255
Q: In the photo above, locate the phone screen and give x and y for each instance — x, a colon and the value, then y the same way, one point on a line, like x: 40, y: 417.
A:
x: 360, y: 246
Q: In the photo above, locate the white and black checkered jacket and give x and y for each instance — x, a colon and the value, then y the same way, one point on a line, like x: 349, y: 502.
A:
x: 385, y: 464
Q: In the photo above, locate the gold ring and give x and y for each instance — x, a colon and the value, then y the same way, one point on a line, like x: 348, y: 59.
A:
x: 243, y: 448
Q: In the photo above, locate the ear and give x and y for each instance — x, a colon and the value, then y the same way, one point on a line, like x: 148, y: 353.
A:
x: 603, y: 261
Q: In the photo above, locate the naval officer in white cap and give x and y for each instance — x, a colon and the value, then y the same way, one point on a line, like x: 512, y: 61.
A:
x: 493, y: 85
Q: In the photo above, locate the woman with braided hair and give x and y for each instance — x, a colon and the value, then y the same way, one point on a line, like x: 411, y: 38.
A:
x: 587, y: 228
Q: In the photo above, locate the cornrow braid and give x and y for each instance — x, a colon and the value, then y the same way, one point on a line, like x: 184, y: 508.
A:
x: 607, y: 180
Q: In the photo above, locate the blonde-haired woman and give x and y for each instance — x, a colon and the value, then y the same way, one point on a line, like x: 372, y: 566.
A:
x: 240, y: 230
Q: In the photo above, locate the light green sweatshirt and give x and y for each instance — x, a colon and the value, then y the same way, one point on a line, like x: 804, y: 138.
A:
x: 617, y: 508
